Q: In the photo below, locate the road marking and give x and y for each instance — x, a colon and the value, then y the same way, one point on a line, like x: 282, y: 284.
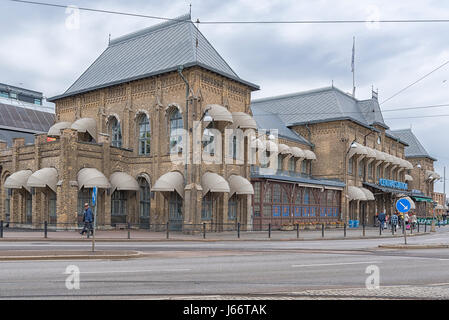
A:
x: 133, y: 271
x: 333, y: 264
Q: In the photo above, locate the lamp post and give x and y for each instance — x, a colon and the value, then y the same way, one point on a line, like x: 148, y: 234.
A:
x: 434, y: 203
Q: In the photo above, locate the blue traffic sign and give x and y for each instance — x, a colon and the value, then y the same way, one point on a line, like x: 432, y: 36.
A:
x: 403, y: 205
x: 94, y: 196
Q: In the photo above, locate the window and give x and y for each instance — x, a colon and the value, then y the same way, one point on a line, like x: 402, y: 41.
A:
x: 292, y: 164
x: 144, y: 135
x: 28, y: 207
x: 38, y: 101
x: 265, y: 163
x: 209, y: 141
x: 232, y: 208
x: 306, y: 196
x: 116, y: 133
x: 8, y: 204
x: 13, y: 95
x: 206, y: 210
x: 52, y: 207
x: 361, y: 168
x: 370, y: 170
x: 276, y: 193
x: 118, y: 207
x: 4, y: 94
x: 233, y: 146
x: 145, y: 203
x: 176, y: 124
x: 350, y: 165
x: 378, y: 172
x: 256, y: 192
x: 279, y: 162
x: 304, y: 166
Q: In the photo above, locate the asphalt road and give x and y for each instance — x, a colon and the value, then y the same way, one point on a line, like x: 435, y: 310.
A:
x: 289, y: 269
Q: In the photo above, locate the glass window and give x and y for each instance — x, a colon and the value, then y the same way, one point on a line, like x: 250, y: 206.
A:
x: 304, y: 166
x: 378, y: 172
x: 8, y: 204
x: 206, y: 210
x: 52, y: 207
x: 277, y: 193
x: 256, y: 192
x: 292, y: 164
x: 232, y: 208
x: 28, y: 207
x: 306, y: 196
x: 116, y: 133
x: 298, y: 197
x: 13, y: 95
x: 145, y: 202
x: 144, y: 135
x: 267, y: 193
x: 118, y: 207
x: 361, y: 168
x: 279, y: 162
x: 208, y: 141
x: 350, y: 165
x: 176, y: 124
x: 38, y: 101
x: 4, y: 94
x: 370, y: 170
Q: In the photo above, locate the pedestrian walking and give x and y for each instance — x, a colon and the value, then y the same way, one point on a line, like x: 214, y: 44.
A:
x: 394, y: 221
x: 387, y: 221
x: 381, y: 218
x: 414, y: 220
x: 88, y: 218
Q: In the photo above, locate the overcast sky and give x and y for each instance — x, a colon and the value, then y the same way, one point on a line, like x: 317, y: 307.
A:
x: 40, y: 51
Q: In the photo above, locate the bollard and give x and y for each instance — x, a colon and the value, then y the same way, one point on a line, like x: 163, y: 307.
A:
x: 392, y: 229
x: 269, y: 230
x: 322, y: 230
x: 344, y: 229
x: 425, y: 226
x: 418, y: 227
x: 238, y: 230
x: 363, y: 225
x: 45, y: 229
x: 204, y: 230
x: 129, y: 230
x: 380, y: 229
x: 1, y: 228
x: 411, y: 228
x: 167, y: 230
x: 297, y: 230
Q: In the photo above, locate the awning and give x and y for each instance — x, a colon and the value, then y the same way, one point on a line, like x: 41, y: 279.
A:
x: 412, y: 203
x: 297, y: 152
x: 358, y: 149
x: 368, y: 194
x: 123, y: 181
x: 219, y: 113
x: 212, y: 182
x: 386, y: 189
x: 257, y: 144
x: 310, y: 155
x: 271, y: 146
x: 43, y: 178
x: 91, y: 177
x: 88, y: 125
x: 239, y: 185
x: 407, y: 164
x: 422, y: 199
x: 388, y: 158
x: 371, y: 153
x: 18, y: 180
x: 379, y: 155
x: 408, y: 177
x: 355, y: 193
x: 243, y: 121
x: 170, y: 182
x: 55, y: 130
x: 396, y: 161
x: 284, y: 149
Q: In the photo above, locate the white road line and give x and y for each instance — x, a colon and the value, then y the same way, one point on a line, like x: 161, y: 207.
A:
x: 333, y: 264
x: 132, y: 271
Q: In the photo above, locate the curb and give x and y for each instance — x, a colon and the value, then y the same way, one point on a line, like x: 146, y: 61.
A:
x: 202, y: 240
x: 415, y: 246
x: 135, y: 254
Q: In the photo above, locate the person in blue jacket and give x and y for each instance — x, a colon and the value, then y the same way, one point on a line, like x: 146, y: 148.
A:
x: 88, y: 218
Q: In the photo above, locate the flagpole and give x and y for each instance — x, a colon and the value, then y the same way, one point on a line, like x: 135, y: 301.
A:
x: 353, y: 66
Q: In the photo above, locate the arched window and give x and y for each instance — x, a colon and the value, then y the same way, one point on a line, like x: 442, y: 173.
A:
x: 144, y: 135
x: 175, y: 125
x: 116, y: 133
x: 145, y: 203
x: 206, y: 209
x: 292, y: 164
x: 232, y: 207
x: 118, y: 207
x: 52, y: 207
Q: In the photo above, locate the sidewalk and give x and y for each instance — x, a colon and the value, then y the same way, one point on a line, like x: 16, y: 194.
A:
x: 18, y: 255
x: 142, y: 235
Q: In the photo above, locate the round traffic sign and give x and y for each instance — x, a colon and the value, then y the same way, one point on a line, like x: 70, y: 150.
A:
x: 403, y: 205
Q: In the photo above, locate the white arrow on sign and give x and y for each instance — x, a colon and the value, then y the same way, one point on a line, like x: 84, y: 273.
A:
x: 405, y: 207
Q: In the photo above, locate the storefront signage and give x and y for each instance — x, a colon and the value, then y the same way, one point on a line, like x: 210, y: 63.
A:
x: 393, y: 184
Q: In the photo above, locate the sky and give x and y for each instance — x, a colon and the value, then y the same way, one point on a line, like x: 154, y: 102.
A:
x: 45, y: 49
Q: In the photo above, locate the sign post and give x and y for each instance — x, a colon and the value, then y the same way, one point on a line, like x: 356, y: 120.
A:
x: 94, y: 204
x: 403, y: 205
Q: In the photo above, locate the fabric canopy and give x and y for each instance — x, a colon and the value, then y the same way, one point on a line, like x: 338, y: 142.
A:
x: 43, y: 178
x: 408, y: 177
x: 258, y: 144
x: 357, y: 149
x: 297, y: 152
x: 270, y: 146
x: 18, y: 180
x: 219, y: 113
x: 91, y: 177
x: 55, y: 130
x: 370, y: 153
x: 379, y: 155
x: 243, y: 121
x: 88, y: 125
x: 212, y: 182
x: 284, y: 149
x: 355, y: 193
x: 368, y: 194
x: 170, y: 182
x: 310, y: 155
x: 123, y: 181
x: 239, y: 185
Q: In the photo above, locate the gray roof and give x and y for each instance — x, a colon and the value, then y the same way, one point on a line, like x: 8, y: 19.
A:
x: 270, y: 121
x: 325, y: 104
x: 415, y: 149
x: 9, y: 135
x: 24, y: 119
x: 151, y: 51
x: 23, y: 91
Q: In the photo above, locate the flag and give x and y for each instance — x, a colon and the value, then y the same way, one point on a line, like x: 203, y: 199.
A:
x: 353, y: 55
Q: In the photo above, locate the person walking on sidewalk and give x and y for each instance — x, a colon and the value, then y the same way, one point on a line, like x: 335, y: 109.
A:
x: 88, y: 218
x: 381, y: 218
x: 394, y: 221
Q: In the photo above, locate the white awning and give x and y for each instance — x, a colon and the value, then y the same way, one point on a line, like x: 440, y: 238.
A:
x: 123, y: 181
x: 431, y: 175
x: 170, y: 182
x: 212, y: 182
x: 396, y: 160
x: 297, y: 152
x: 219, y: 113
x: 55, y: 130
x: 239, y: 185
x: 88, y: 125
x: 388, y: 158
x: 43, y: 178
x: 18, y: 180
x: 271, y: 146
x: 371, y: 153
x: 358, y: 149
x: 257, y: 144
x: 243, y: 121
x: 310, y: 155
x: 407, y: 164
x: 355, y: 193
x: 368, y: 194
x: 380, y: 156
x: 412, y: 203
x: 284, y: 149
x: 91, y: 177
x: 408, y: 177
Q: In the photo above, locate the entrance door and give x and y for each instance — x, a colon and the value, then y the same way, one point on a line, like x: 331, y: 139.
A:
x: 175, y: 212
